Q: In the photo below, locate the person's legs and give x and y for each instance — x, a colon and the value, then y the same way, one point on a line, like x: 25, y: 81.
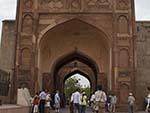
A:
x: 129, y: 109
x: 79, y: 108
x: 74, y: 108
x: 83, y: 109
x: 113, y: 108
x: 42, y: 106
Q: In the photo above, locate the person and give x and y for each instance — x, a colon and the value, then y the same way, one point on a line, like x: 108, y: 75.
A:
x: 52, y: 100
x: 35, y: 103
x: 100, y: 100
x: 47, y: 104
x: 83, y: 102
x: 92, y: 101
x: 57, y: 102
x: 113, y: 102
x: 108, y: 103
x: 42, y: 97
x: 75, y: 99
x: 148, y: 104
x: 131, y: 103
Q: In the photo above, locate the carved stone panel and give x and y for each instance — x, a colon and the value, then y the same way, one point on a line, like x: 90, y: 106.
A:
x: 123, y: 92
x: 122, y: 4
x: 27, y: 4
x: 95, y: 5
x: 75, y: 5
x: 27, y: 25
x: 123, y: 58
x: 26, y: 40
x: 26, y: 58
x: 24, y: 75
x: 52, y: 4
x: 123, y: 26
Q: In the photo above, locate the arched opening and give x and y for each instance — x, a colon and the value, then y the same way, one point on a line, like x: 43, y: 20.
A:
x: 73, y: 63
x: 73, y: 46
x: 75, y: 81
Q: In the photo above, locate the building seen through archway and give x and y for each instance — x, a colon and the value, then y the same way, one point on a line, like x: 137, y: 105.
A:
x: 74, y: 82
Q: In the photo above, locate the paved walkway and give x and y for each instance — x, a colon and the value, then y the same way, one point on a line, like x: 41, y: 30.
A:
x: 21, y: 109
x: 66, y: 110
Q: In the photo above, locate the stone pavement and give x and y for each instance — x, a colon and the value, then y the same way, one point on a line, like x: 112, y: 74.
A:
x: 14, y: 109
x: 23, y: 109
x: 66, y: 110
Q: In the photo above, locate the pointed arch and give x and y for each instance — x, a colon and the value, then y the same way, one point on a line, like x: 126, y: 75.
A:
x: 72, y: 56
x: 55, y: 25
x: 27, y: 25
x: 79, y: 56
x: 123, y: 25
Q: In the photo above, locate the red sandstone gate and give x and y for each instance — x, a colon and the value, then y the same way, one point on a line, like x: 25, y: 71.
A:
x: 58, y: 37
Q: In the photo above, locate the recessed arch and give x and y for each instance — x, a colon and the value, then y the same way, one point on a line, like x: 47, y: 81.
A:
x: 76, y: 56
x: 124, y: 58
x: 26, y: 57
x: 27, y: 24
x: 123, y: 21
x: 55, y: 25
x: 72, y: 37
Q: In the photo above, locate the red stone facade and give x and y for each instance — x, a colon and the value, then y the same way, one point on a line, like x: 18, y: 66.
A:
x: 58, y: 38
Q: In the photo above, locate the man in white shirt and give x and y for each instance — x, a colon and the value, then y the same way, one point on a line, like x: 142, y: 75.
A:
x: 42, y: 96
x: 75, y: 98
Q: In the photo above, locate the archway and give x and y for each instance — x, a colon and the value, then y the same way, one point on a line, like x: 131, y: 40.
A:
x: 70, y: 47
x: 75, y: 62
x: 75, y: 81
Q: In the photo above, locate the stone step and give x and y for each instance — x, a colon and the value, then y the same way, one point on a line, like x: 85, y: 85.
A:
x: 14, y: 109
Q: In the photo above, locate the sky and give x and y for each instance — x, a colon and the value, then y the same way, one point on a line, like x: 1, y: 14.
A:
x: 82, y: 80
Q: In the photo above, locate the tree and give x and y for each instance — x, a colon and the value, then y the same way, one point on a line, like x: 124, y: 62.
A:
x: 71, y: 84
x: 87, y: 90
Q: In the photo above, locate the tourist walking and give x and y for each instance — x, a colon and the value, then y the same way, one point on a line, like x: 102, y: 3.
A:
x: 100, y: 100
x: 35, y: 103
x: 92, y: 102
x: 131, y: 103
x: 57, y: 102
x: 47, y: 105
x: 75, y: 99
x: 42, y: 97
x: 113, y: 102
x: 83, y: 102
x: 148, y: 104
x: 108, y: 103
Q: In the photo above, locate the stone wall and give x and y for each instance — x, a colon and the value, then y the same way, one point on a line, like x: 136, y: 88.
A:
x: 142, y: 56
x: 7, y: 55
x: 142, y: 60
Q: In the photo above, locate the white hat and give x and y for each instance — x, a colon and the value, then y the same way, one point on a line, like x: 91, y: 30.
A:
x: 130, y: 94
x: 148, y: 96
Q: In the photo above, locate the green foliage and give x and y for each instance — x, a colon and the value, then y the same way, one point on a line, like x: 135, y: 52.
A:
x: 87, y: 90
x: 71, y: 84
